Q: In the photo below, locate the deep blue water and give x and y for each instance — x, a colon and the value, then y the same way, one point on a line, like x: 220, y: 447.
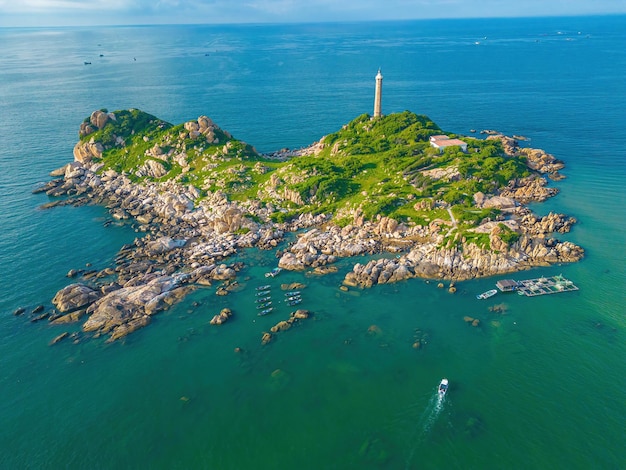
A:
x: 540, y: 387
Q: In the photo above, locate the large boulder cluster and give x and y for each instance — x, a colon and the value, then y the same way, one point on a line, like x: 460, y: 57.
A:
x: 203, y: 126
x: 537, y: 159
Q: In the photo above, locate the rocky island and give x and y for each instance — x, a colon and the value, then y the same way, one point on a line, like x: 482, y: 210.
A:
x: 376, y: 186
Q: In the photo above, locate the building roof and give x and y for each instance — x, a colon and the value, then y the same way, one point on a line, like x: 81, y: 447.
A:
x: 507, y: 284
x: 448, y: 142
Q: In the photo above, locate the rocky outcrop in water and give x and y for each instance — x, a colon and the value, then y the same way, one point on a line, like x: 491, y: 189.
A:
x: 179, y: 238
x: 537, y: 159
x: 221, y: 317
x: 74, y: 297
x: 530, y: 189
x: 129, y: 308
x: 464, y: 261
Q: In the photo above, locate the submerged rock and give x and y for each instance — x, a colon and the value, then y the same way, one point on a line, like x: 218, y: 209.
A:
x: 69, y: 317
x: 19, y: 311
x: 300, y: 314
x: 280, y: 326
x: 59, y: 338
x: 266, y: 338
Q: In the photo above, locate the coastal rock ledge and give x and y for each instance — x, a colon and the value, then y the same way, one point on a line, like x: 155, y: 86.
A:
x: 191, y: 224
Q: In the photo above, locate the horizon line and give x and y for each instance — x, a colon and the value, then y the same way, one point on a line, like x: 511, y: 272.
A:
x: 298, y: 22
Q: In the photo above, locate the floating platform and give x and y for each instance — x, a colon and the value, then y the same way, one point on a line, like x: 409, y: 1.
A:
x: 545, y: 285
x: 507, y: 285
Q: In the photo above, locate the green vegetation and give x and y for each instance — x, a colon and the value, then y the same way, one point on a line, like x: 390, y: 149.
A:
x: 370, y: 167
x: 507, y: 235
x: 129, y: 125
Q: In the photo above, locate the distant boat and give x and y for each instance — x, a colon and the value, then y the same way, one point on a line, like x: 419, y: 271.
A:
x: 87, y: 63
x: 294, y: 297
x: 266, y: 311
x: 262, y: 293
x: 264, y: 305
x: 264, y: 287
x: 486, y: 295
x: 294, y: 302
x: 273, y: 273
x: 292, y: 293
x: 443, y: 387
x: 261, y: 300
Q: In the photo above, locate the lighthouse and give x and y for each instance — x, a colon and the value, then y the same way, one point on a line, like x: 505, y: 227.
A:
x: 378, y: 97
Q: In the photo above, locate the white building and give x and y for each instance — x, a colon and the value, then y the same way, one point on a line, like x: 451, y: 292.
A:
x: 441, y: 142
x: 378, y: 96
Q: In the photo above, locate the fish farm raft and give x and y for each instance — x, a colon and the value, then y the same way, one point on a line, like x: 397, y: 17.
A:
x: 539, y: 286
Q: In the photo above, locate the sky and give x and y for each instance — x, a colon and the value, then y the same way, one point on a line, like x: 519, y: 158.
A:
x: 139, y: 12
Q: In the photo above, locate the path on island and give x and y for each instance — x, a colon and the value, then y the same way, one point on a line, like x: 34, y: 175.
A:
x: 452, y: 217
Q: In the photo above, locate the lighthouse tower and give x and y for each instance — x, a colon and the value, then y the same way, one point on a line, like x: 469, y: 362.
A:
x: 378, y: 97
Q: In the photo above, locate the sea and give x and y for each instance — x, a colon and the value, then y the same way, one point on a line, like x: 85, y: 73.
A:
x: 540, y: 383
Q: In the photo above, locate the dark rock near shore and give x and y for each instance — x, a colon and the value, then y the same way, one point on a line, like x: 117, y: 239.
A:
x: 40, y: 317
x: 59, y: 338
x: 68, y: 317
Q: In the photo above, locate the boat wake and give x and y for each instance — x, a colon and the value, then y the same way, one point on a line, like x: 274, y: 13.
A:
x: 425, y: 423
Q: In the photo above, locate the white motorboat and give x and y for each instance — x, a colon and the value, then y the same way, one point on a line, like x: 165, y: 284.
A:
x: 274, y: 272
x: 486, y: 295
x: 443, y: 387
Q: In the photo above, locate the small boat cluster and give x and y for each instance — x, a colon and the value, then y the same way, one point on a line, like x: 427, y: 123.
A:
x: 264, y: 299
x: 293, y: 297
x: 264, y: 302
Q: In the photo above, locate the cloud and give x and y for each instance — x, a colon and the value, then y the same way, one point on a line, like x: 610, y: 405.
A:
x: 52, y: 6
x: 95, y: 12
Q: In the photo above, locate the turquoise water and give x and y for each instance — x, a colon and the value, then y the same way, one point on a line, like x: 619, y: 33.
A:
x: 541, y: 386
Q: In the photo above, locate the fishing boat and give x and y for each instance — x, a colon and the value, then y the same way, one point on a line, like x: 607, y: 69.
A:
x: 264, y: 287
x: 273, y: 273
x: 486, y: 295
x: 293, y: 297
x: 265, y: 305
x: 262, y: 293
x: 292, y: 293
x: 266, y: 311
x: 443, y: 387
x: 294, y: 302
x: 261, y: 300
